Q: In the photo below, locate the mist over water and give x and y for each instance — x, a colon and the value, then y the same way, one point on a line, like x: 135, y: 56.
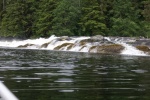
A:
x: 56, y: 75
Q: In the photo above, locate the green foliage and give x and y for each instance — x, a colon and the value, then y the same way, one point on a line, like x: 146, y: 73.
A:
x: 126, y: 20
x: 92, y: 19
x: 146, y: 15
x: 42, y: 18
x: 1, y: 5
x: 12, y: 20
x: 66, y: 17
x: 124, y: 27
x: 17, y: 21
x: 146, y: 11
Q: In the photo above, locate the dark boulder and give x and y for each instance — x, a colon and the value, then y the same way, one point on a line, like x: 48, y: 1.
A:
x: 63, y: 38
x: 143, y: 48
x: 113, y: 48
x: 24, y: 46
x: 69, y: 46
x: 97, y: 38
x: 45, y: 45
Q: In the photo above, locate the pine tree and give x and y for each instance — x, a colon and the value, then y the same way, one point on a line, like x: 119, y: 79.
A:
x: 146, y: 15
x: 12, y: 18
x: 146, y: 11
x: 65, y: 17
x: 2, y: 4
x: 93, y: 18
x: 125, y: 21
x: 18, y: 19
x: 44, y: 17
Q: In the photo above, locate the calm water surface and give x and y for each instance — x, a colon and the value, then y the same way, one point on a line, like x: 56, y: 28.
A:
x: 53, y: 75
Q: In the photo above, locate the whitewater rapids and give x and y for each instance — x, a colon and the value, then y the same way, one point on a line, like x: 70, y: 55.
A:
x: 65, y: 43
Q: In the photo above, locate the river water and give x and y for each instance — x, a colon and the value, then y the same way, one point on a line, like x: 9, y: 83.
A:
x: 59, y: 75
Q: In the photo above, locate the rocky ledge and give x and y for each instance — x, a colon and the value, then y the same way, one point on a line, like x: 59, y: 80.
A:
x: 142, y: 44
x: 96, y: 44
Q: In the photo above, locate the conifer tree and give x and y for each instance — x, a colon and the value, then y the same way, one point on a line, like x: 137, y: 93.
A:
x: 65, y: 17
x: 18, y: 19
x: 125, y: 19
x: 12, y: 19
x: 146, y: 11
x: 93, y: 18
x: 146, y: 15
x: 44, y: 17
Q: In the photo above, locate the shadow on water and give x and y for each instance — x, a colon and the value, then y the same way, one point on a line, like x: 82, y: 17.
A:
x: 55, y: 75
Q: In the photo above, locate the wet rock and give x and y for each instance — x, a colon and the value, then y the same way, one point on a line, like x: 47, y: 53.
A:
x: 113, y: 48
x: 143, y: 42
x: 45, y: 45
x: 82, y: 48
x: 69, y: 46
x: 92, y: 49
x: 83, y: 42
x: 63, y: 38
x: 143, y: 48
x: 97, y: 38
x: 24, y: 46
x: 123, y: 39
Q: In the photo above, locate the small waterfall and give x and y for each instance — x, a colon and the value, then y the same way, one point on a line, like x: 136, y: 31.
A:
x: 76, y: 44
x: 130, y: 50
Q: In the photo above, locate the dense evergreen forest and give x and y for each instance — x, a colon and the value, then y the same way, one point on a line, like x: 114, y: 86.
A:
x: 42, y: 18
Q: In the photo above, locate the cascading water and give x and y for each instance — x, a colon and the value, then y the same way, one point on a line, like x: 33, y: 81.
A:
x: 77, y: 44
x: 129, y: 49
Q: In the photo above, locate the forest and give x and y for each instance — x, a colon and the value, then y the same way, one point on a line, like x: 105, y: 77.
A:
x: 43, y: 18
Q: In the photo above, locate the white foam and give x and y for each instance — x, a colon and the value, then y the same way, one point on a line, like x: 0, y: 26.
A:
x: 53, y: 42
x: 130, y: 50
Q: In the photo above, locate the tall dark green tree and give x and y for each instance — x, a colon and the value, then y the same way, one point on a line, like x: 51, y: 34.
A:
x: 12, y: 19
x: 1, y: 5
x: 146, y: 15
x: 1, y: 9
x: 18, y: 19
x: 93, y: 18
x: 125, y: 19
x: 146, y: 11
x: 65, y: 17
x: 44, y: 17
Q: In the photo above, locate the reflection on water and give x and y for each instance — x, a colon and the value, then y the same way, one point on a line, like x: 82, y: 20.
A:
x: 53, y: 75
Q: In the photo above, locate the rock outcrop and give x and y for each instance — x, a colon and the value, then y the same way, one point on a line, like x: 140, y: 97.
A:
x: 143, y: 48
x: 67, y: 45
x: 94, y: 44
x: 113, y: 48
x: 63, y: 38
x: 25, y: 46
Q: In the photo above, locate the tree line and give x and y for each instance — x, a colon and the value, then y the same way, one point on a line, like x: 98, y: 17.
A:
x: 42, y: 18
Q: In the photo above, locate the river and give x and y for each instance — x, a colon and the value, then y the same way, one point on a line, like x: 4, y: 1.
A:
x: 60, y: 75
